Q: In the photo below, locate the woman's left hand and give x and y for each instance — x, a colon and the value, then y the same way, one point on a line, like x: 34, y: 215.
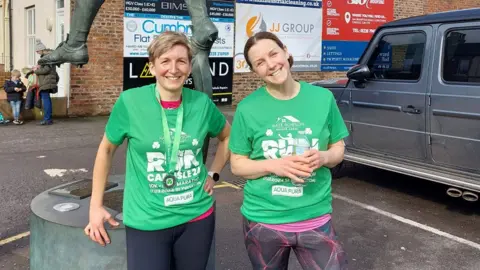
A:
x: 316, y: 158
x: 209, y: 184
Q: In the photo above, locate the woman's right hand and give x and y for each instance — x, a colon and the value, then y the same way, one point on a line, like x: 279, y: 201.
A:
x: 95, y: 228
x: 293, y: 167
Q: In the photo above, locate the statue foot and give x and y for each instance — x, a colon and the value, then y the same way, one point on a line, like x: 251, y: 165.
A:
x: 64, y: 53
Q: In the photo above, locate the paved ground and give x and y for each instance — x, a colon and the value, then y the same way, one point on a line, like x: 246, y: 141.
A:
x: 385, y: 221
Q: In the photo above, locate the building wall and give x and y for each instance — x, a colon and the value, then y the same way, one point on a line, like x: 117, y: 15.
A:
x: 3, y: 39
x: 43, y: 11
x: 45, y: 15
x: 96, y: 86
x: 446, y: 5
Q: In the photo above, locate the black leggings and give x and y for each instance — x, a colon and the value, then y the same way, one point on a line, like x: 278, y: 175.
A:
x: 184, y: 247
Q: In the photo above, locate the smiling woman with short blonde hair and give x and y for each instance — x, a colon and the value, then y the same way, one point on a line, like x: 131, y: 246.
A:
x: 168, y: 207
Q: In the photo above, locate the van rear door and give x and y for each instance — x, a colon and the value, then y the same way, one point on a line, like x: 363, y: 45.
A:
x: 455, y: 97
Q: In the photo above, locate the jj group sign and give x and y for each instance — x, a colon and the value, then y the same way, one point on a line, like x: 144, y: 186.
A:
x: 321, y: 35
x: 146, y: 19
x: 297, y: 23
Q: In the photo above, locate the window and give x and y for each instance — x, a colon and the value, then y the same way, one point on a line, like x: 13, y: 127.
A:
x: 60, y: 4
x: 461, y: 58
x: 30, y: 23
x: 398, y: 57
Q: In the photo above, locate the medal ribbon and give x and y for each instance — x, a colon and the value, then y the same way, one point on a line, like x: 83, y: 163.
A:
x: 172, y: 150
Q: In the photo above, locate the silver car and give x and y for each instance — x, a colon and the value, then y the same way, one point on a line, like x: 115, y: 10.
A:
x: 412, y: 103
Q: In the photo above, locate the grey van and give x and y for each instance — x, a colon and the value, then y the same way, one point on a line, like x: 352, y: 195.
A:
x: 412, y: 103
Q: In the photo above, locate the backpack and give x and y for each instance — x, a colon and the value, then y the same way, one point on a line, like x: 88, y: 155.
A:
x: 57, y: 78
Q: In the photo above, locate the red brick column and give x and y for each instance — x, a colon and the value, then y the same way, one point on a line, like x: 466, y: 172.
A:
x: 96, y: 86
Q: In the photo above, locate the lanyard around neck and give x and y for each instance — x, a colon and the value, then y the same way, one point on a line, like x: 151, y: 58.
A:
x: 172, y: 149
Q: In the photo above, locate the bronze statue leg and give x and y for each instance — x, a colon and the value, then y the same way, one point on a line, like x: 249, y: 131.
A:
x: 204, y: 35
x: 74, y: 48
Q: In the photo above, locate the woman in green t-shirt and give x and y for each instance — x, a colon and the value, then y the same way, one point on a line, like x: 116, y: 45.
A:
x: 285, y: 136
x: 168, y: 208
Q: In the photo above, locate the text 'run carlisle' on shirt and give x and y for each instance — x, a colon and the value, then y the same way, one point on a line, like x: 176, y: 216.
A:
x: 266, y: 128
x: 136, y: 116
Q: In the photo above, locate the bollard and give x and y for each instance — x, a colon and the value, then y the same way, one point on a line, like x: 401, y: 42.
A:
x: 57, y: 221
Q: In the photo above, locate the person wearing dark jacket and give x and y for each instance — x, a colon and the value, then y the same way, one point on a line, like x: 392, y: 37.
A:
x: 15, y: 89
x: 47, y: 80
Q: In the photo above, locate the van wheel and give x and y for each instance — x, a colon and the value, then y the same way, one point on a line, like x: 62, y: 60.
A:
x: 335, y: 171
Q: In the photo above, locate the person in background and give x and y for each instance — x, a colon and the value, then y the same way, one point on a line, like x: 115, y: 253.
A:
x: 15, y: 89
x: 31, y: 81
x: 285, y: 136
x: 47, y: 80
x: 168, y: 206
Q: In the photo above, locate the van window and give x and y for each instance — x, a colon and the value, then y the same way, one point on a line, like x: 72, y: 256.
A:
x: 398, y: 57
x: 461, y: 59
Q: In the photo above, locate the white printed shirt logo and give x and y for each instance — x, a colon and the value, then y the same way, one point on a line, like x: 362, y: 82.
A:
x: 280, y: 141
x: 183, y: 136
x: 286, y: 128
x: 186, y: 161
x: 284, y: 119
x: 187, y: 170
x: 178, y: 198
x: 287, y: 191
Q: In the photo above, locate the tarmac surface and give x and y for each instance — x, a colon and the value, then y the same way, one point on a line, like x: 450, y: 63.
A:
x: 384, y: 220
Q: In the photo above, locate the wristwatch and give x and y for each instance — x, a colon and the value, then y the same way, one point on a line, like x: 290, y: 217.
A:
x: 214, y: 175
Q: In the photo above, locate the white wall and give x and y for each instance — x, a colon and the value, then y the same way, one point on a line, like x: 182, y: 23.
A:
x: 45, y: 13
x: 44, y: 10
x: 4, y: 38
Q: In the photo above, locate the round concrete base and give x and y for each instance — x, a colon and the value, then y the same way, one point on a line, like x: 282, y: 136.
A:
x: 59, y: 216
x: 57, y: 239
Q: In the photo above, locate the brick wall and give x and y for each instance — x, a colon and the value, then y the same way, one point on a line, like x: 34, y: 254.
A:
x: 244, y: 83
x: 96, y: 86
x: 408, y: 8
x: 446, y: 5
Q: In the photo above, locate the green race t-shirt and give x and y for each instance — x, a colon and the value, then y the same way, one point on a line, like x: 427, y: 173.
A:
x: 137, y: 117
x: 266, y: 128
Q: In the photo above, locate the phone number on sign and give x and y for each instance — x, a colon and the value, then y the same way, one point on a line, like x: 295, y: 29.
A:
x: 140, y: 9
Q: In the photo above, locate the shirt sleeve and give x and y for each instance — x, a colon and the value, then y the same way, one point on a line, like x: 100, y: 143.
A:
x: 118, y: 124
x: 337, y: 127
x: 216, y: 119
x: 240, y: 136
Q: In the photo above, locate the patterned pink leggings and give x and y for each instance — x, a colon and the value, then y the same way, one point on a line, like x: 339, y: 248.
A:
x: 315, y: 249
